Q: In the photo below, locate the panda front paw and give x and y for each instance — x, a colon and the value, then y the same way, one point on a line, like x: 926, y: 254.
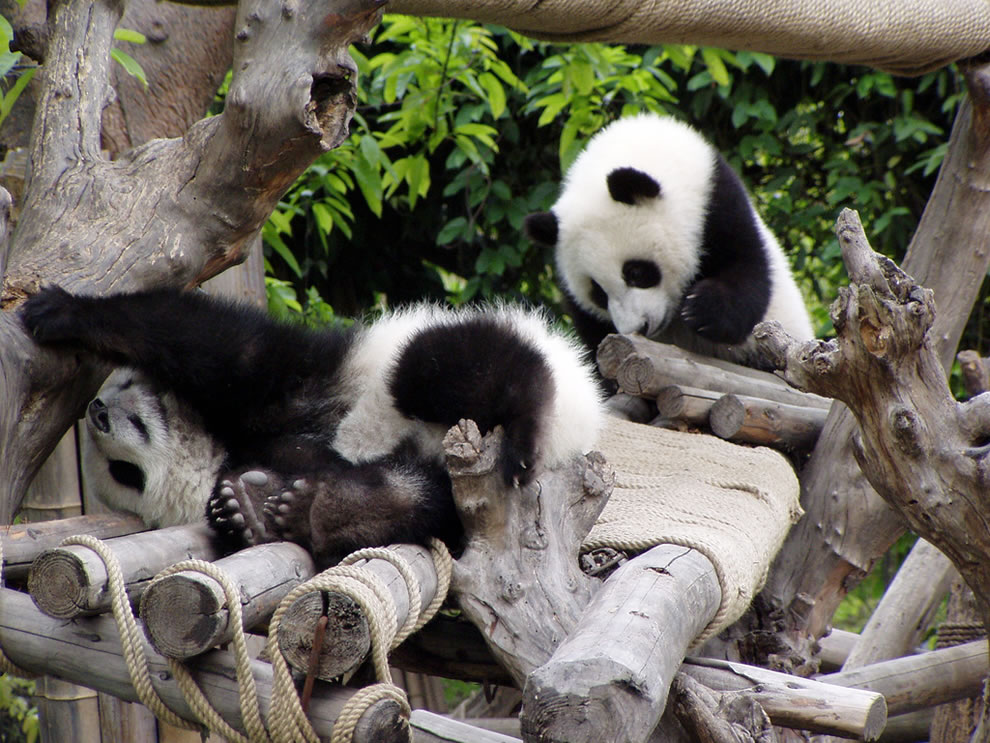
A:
x: 50, y: 315
x: 235, y: 510
x: 713, y: 310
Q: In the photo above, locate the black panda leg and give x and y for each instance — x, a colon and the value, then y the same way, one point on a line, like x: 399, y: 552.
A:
x: 479, y: 368
x: 334, y: 511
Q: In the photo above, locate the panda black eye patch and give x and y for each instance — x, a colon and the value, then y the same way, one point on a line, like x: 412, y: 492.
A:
x: 641, y: 274
x: 598, y: 295
x: 139, y: 426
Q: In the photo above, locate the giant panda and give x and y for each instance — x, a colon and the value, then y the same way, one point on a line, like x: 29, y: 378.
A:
x: 333, y: 439
x: 655, y: 234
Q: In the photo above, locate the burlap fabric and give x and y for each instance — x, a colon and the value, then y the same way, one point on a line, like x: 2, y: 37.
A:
x: 732, y: 503
x: 905, y: 37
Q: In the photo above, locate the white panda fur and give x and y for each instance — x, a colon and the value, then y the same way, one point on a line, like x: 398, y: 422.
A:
x: 594, y: 235
x: 146, y: 452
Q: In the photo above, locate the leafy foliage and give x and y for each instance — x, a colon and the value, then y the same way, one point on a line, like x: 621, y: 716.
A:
x: 18, y: 719
x: 463, y: 129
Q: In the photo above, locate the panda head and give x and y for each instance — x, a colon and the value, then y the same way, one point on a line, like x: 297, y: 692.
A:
x: 628, y: 226
x: 144, y: 451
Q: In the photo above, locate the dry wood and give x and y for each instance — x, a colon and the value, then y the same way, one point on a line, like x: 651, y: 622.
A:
x: 847, y: 527
x: 728, y: 717
x: 689, y: 405
x: 70, y: 581
x: 751, y: 420
x: 903, y: 616
x: 24, y: 542
x: 348, y: 639
x: 452, y: 648
x: 608, y: 680
x: 433, y: 728
x: 646, y: 367
x: 974, y: 373
x: 186, y: 613
x: 87, y: 651
x: 922, y: 680
x: 795, y: 702
x: 921, y: 450
x: 518, y: 576
x: 835, y: 647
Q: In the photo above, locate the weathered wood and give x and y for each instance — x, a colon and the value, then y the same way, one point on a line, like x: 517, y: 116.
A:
x: 24, y: 542
x: 910, y: 728
x: 432, y: 728
x: 835, y: 647
x: 87, y: 650
x: 452, y: 648
x: 608, y: 680
x: 347, y: 638
x: 652, y: 366
x: 795, y: 702
x: 752, y: 420
x: 921, y: 680
x: 902, y: 618
x: 923, y: 452
x: 689, y: 405
x: 847, y: 527
x: 712, y: 717
x: 518, y: 576
x: 66, y: 711
x: 70, y: 581
x: 186, y: 613
x: 974, y: 373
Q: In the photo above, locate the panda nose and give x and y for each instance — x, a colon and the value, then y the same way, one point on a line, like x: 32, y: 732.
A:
x: 99, y: 415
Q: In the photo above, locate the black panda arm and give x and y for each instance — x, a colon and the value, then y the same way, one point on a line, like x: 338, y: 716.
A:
x: 230, y: 361
x: 733, y: 287
x: 483, y: 370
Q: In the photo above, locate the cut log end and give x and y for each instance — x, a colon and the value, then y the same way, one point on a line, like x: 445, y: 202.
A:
x: 58, y: 583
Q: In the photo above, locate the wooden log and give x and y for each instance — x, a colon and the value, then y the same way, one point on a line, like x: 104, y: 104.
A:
x: 795, y: 702
x: 654, y: 366
x: 751, y: 420
x: 922, y: 680
x: 608, y: 680
x: 902, y: 618
x: 433, y: 728
x: 87, y: 650
x: 347, y: 637
x: 451, y: 648
x: 974, y: 373
x: 518, y: 578
x: 186, y: 613
x: 70, y: 581
x: 689, y: 405
x: 24, y: 542
x: 834, y: 648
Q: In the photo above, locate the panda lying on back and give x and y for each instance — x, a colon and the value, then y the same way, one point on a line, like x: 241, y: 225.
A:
x: 333, y: 439
x: 655, y: 234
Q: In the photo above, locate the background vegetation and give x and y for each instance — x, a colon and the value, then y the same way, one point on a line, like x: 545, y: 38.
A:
x: 463, y: 129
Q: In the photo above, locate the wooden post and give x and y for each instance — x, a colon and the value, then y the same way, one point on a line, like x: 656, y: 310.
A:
x: 70, y: 581
x: 186, y: 613
x: 608, y: 680
x: 752, y: 420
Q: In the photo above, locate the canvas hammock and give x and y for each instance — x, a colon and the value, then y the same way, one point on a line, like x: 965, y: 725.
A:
x: 906, y: 37
x: 734, y: 504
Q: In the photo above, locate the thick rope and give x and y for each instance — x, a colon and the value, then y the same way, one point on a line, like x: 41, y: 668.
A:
x: 130, y: 636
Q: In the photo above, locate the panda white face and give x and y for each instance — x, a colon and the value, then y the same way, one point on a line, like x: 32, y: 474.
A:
x: 146, y: 453
x: 630, y: 220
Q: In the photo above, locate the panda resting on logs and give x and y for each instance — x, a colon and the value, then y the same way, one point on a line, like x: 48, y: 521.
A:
x: 655, y: 234
x: 331, y: 439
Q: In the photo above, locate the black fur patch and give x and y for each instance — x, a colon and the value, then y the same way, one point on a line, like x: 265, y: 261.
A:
x: 479, y: 369
x: 627, y: 185
x: 541, y: 227
x: 733, y: 287
x: 641, y: 274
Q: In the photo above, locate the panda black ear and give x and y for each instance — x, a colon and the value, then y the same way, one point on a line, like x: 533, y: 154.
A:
x: 628, y: 184
x: 541, y: 227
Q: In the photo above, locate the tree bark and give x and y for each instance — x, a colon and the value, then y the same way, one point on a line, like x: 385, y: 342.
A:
x: 847, y: 527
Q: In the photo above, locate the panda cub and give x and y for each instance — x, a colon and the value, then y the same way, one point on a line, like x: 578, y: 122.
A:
x: 146, y: 451
x: 331, y: 439
x: 655, y: 234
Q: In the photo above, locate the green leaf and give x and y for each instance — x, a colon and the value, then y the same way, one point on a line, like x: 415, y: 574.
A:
x: 128, y: 34
x: 495, y: 93
x: 369, y: 180
x: 451, y: 231
x: 715, y: 64
x: 130, y: 65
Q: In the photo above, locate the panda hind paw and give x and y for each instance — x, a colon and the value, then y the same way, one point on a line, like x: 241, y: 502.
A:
x: 288, y: 511
x: 234, y: 511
